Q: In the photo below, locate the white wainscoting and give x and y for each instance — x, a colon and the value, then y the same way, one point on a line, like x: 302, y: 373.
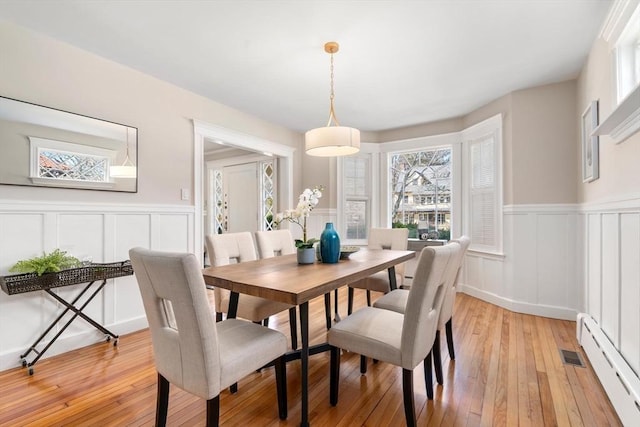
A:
x: 104, y: 232
x: 612, y: 270
x: 540, y: 270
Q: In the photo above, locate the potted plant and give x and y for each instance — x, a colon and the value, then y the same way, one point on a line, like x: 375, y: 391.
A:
x: 306, y: 202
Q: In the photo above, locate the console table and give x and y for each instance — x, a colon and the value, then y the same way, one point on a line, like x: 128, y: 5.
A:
x: 90, y: 274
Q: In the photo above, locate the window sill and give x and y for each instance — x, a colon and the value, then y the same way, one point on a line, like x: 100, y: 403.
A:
x: 624, y: 121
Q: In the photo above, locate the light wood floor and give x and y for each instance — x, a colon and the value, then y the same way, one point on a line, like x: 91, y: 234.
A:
x: 507, y: 372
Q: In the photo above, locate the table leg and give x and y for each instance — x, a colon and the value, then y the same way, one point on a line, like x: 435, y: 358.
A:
x: 392, y: 278
x: 304, y: 363
x: 233, y: 305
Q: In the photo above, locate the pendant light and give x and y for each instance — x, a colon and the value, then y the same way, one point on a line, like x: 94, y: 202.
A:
x: 333, y: 139
x: 127, y: 169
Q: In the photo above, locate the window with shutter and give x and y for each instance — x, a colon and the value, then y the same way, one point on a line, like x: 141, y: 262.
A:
x: 483, y: 185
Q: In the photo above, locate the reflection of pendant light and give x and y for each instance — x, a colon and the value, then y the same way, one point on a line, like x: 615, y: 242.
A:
x: 127, y: 169
x: 332, y: 140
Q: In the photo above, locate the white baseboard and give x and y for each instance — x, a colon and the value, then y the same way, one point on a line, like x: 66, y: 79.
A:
x: 519, y: 306
x: 67, y: 343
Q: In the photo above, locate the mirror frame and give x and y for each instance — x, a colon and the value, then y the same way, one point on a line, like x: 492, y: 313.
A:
x: 78, y: 125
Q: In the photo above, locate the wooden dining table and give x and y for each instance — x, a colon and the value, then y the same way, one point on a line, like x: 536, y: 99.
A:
x: 283, y: 279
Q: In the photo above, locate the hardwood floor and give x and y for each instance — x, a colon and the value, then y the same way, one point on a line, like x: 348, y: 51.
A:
x: 507, y: 372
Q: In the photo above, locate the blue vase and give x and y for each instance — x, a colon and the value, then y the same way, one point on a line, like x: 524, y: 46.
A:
x: 329, y: 244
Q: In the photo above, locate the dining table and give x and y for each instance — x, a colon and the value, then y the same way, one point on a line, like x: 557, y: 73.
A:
x: 283, y: 279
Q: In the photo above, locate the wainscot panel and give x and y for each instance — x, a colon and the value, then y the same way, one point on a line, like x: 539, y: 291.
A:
x: 96, y: 232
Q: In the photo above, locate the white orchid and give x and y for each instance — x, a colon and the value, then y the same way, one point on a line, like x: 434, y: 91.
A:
x: 308, y: 200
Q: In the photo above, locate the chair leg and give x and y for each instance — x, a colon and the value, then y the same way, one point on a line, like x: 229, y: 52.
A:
x: 368, y: 298
x: 407, y: 392
x: 437, y: 358
x: 281, y: 386
x: 363, y: 364
x: 218, y: 316
x: 213, y: 411
x: 293, y: 323
x: 233, y: 388
x: 265, y: 322
x: 327, y: 309
x: 449, y: 332
x: 162, y: 401
x: 428, y: 376
x: 350, y: 301
x: 334, y: 375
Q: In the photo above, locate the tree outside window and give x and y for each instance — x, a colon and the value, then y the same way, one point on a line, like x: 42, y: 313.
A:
x: 421, y: 192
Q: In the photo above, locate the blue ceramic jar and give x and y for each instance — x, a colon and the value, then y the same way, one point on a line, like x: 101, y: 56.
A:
x: 329, y: 244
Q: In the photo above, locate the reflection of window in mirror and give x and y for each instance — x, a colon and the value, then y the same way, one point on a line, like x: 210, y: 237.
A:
x: 67, y: 162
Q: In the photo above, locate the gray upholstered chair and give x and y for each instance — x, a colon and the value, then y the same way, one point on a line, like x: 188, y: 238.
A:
x: 280, y: 242
x: 381, y: 238
x: 224, y: 249
x: 190, y: 349
x: 397, y: 301
x: 388, y: 336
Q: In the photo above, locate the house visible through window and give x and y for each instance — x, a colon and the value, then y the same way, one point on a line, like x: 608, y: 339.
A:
x: 65, y: 161
x: 421, y: 192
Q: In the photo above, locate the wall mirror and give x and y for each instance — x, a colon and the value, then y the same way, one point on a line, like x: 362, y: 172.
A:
x: 42, y: 146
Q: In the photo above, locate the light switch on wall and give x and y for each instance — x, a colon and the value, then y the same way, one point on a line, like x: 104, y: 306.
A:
x: 184, y: 194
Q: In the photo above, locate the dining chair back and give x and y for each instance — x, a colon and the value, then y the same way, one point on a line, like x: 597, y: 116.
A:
x: 381, y: 238
x: 230, y: 248
x: 274, y: 243
x: 225, y: 249
x: 388, y: 336
x: 190, y: 349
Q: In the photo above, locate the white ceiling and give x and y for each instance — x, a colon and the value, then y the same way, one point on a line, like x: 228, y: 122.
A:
x: 400, y: 62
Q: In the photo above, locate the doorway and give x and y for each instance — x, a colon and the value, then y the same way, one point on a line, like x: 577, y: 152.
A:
x: 237, y: 140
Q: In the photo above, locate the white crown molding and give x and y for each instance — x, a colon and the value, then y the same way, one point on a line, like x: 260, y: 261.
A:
x: 617, y: 18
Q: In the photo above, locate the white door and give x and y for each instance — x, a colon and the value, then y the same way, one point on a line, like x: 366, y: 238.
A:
x: 241, y: 196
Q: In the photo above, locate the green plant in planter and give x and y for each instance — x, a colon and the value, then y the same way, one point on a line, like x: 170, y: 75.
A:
x: 53, y: 262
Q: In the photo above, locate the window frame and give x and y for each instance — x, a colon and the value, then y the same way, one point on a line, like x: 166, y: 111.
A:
x: 492, y: 128
x: 37, y: 145
x: 369, y: 153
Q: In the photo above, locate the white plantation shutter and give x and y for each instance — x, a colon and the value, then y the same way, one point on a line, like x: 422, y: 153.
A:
x: 482, y: 191
x: 482, y: 185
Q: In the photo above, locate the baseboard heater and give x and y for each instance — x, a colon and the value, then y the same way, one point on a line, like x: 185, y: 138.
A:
x: 618, y: 379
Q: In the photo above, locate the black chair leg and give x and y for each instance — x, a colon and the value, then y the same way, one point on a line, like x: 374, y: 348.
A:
x: 281, y: 386
x: 428, y: 376
x: 350, y: 301
x: 437, y: 358
x: 449, y: 332
x: 162, y: 401
x: 368, y: 298
x: 407, y: 391
x: 213, y: 411
x: 233, y: 388
x: 327, y: 309
x: 293, y: 323
x: 265, y: 322
x: 218, y: 316
x: 334, y: 375
x: 363, y: 364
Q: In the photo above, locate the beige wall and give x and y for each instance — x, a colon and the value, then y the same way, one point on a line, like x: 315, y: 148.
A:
x: 44, y: 71
x: 543, y: 145
x: 619, y: 171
